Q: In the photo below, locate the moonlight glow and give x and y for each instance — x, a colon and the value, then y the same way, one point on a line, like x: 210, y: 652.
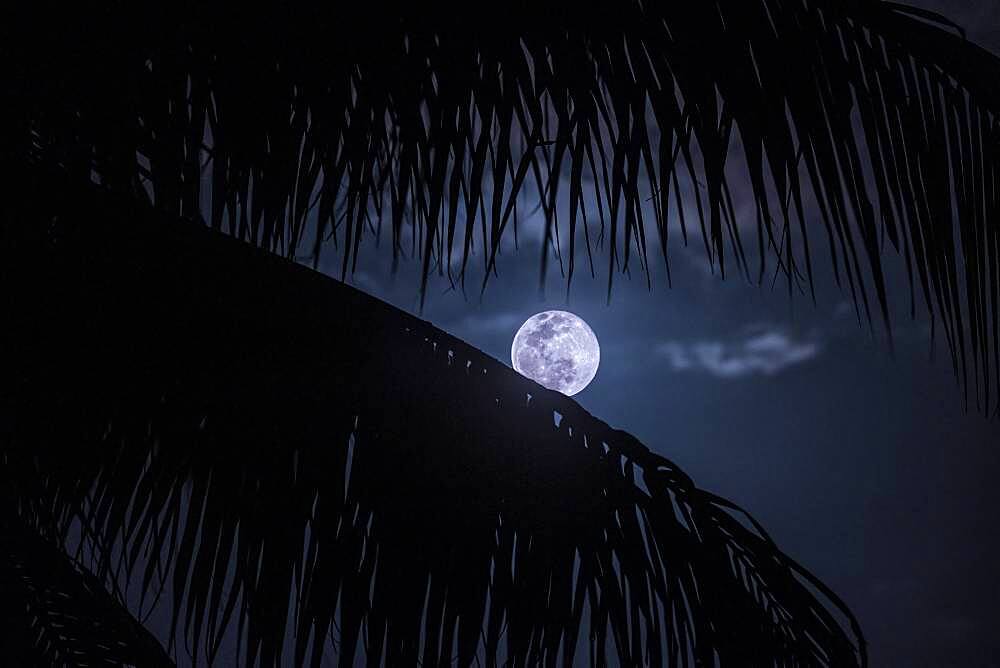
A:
x: 558, y: 350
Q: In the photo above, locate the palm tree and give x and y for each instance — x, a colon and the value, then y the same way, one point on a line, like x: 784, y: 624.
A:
x: 284, y: 460
x: 62, y: 609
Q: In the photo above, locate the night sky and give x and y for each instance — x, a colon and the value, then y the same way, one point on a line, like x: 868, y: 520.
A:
x: 863, y: 465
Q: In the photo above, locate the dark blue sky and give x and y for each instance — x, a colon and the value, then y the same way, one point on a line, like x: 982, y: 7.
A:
x: 863, y: 465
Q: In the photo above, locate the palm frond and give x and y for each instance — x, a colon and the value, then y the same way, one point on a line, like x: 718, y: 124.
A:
x: 292, y: 464
x: 54, y: 612
x: 290, y: 128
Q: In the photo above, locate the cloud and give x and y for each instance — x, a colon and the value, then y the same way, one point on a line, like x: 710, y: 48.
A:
x: 765, y: 352
x: 490, y: 323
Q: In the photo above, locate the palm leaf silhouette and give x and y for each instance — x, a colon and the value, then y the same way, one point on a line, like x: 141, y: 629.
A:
x: 54, y: 612
x: 289, y: 129
x: 227, y: 437
x: 284, y: 459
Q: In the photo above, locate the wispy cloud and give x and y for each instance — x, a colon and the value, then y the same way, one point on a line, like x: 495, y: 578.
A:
x: 490, y: 323
x: 758, y: 352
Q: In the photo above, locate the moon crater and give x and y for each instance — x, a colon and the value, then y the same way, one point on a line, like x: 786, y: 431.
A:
x: 558, y: 350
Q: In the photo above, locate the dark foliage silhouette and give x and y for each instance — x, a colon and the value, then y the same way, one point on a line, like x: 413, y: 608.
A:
x: 282, y: 463
x: 54, y: 612
x: 252, y: 436
x: 289, y: 128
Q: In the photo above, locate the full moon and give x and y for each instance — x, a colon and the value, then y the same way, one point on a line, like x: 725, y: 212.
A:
x: 557, y: 350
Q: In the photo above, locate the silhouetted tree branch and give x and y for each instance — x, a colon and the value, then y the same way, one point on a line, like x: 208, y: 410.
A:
x: 53, y: 612
x: 860, y: 126
x: 283, y: 458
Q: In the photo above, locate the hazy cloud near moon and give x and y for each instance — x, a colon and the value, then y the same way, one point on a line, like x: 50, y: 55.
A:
x: 758, y: 352
x: 505, y: 322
